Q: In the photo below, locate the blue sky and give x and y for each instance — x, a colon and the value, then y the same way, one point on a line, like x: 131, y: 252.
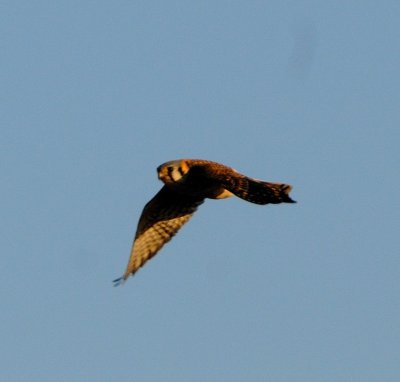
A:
x: 95, y: 95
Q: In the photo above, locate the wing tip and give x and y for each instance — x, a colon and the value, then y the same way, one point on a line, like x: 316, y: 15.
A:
x: 286, y: 188
x: 119, y: 281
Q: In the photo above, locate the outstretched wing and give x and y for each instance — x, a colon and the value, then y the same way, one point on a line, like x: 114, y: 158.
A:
x: 252, y: 190
x: 161, y: 219
x: 257, y: 191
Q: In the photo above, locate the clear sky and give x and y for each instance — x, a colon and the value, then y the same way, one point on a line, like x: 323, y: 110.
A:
x: 96, y: 94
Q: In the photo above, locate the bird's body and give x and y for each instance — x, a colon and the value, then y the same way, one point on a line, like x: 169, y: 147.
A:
x: 187, y: 183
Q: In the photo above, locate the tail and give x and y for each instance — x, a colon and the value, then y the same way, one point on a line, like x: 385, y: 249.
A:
x: 259, y: 192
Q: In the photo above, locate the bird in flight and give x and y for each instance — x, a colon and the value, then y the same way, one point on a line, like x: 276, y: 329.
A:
x: 187, y: 183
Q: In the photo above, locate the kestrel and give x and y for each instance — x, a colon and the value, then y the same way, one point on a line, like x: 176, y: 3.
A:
x: 187, y: 183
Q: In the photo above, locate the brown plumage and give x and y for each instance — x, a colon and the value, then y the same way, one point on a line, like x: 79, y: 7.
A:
x: 188, y: 182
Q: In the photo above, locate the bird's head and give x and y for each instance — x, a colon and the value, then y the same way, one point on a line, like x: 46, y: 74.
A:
x: 172, y: 171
